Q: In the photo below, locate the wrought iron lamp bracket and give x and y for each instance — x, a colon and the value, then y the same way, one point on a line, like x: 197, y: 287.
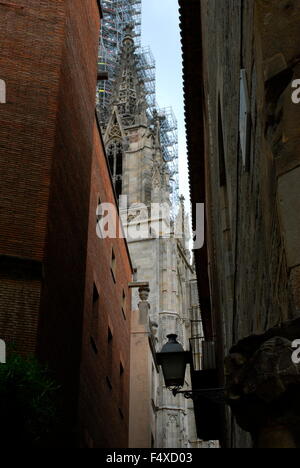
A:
x: 216, y: 395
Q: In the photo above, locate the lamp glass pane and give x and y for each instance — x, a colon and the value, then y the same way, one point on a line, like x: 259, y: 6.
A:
x: 173, y: 366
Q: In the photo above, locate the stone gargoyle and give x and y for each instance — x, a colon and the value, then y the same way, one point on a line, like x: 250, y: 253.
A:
x: 263, y: 387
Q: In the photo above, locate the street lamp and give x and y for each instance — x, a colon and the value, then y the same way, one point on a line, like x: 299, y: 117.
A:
x: 173, y: 360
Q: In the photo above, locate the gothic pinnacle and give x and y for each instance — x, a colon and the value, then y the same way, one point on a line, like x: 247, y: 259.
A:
x: 129, y: 36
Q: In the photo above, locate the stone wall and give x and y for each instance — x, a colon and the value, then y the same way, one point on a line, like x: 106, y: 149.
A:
x: 143, y: 380
x: 253, y: 197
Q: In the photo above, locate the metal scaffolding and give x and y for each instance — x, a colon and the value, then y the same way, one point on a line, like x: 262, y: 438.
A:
x: 117, y: 15
x: 146, y: 70
x: 169, y: 146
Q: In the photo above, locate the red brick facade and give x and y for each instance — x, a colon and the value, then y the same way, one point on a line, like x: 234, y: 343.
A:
x: 50, y: 257
x: 100, y: 372
x: 31, y: 37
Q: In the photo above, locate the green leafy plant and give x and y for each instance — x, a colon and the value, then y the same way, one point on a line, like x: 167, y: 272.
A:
x: 28, y: 401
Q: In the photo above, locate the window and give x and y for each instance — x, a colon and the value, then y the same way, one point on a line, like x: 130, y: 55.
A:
x: 153, y: 387
x: 115, y: 154
x: 109, y: 358
x: 95, y: 320
x: 124, y: 304
x: 113, y: 265
x: 98, y: 213
x: 122, y: 387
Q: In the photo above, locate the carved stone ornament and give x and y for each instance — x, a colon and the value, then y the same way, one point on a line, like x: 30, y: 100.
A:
x: 144, y: 294
x: 263, y: 387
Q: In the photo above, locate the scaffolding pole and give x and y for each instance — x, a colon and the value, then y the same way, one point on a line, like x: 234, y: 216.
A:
x: 117, y: 15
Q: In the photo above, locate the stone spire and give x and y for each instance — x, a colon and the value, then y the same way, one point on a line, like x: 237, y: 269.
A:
x: 129, y: 95
x: 145, y: 177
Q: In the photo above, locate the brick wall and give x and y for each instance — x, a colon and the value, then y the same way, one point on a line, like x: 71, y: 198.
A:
x: 31, y: 36
x: 50, y: 256
x: 20, y: 290
x: 60, y: 332
x: 104, y: 411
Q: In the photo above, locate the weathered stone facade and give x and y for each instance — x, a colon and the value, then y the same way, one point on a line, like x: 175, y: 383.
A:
x: 248, y: 61
x: 140, y: 172
x: 144, y: 374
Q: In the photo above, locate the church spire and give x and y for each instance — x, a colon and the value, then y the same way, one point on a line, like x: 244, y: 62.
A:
x: 129, y: 95
x: 142, y: 174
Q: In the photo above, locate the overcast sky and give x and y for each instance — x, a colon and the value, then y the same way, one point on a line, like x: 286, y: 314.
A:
x: 160, y: 31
